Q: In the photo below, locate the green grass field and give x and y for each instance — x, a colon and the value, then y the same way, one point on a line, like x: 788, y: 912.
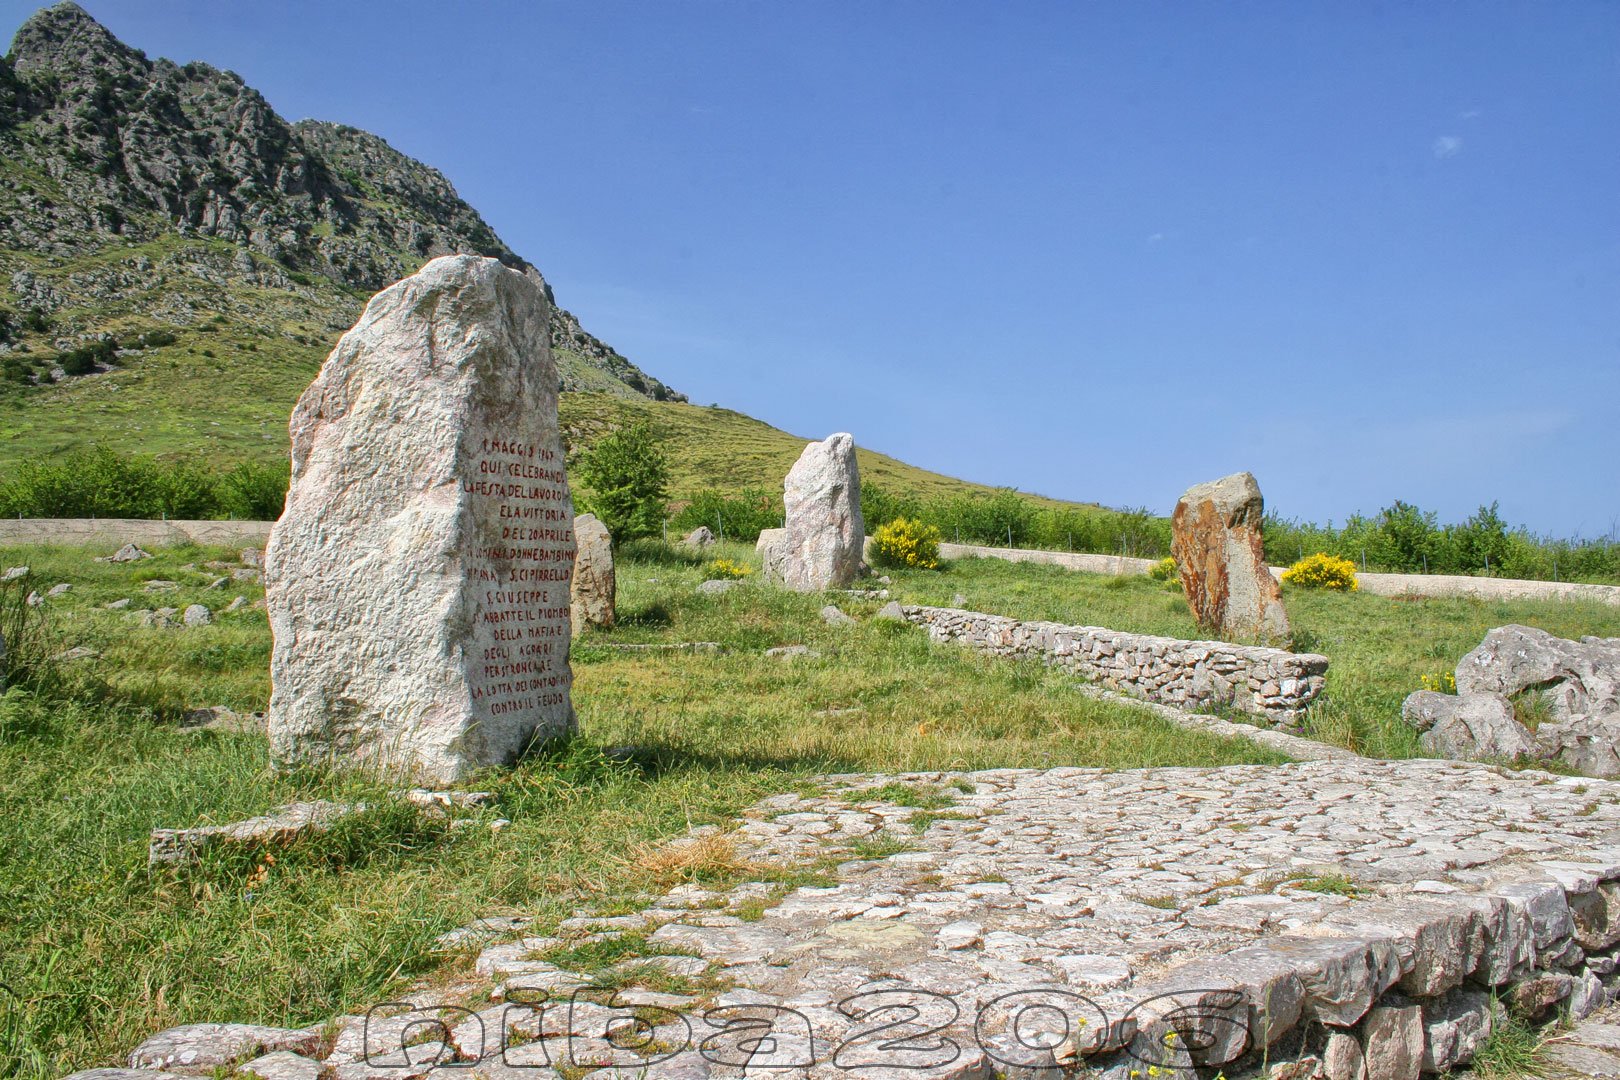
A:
x: 103, y: 952
x: 1379, y: 647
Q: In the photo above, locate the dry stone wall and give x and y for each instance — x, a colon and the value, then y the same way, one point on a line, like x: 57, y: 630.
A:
x: 1271, y: 683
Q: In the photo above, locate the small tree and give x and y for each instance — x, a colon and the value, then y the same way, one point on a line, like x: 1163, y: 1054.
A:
x: 629, y: 480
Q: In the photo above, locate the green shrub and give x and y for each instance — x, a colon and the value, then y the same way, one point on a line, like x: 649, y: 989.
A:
x: 732, y: 517
x: 1164, y: 570
x: 254, y: 492
x: 628, y: 478
x: 905, y: 542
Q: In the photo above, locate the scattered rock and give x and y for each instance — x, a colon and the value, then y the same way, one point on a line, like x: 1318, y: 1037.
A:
x: 788, y: 652
x: 480, y: 930
x: 237, y: 605
x: 386, y: 668
x: 892, y: 611
x: 78, y: 652
x: 197, y: 615
x: 1468, y: 727
x: 127, y: 553
x: 959, y: 601
x: 594, y: 587
x: 820, y: 547
x: 117, y: 605
x: 1219, y: 549
x: 58, y: 590
x: 247, y: 574
x: 253, y: 557
x: 218, y: 583
x: 160, y: 585
x: 176, y: 846
x: 34, y: 599
x: 833, y: 617
x: 699, y: 537
x: 13, y: 573
x: 220, y: 718
x: 201, y: 1048
x: 716, y: 586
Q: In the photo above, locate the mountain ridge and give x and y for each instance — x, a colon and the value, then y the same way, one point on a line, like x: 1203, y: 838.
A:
x: 107, y: 147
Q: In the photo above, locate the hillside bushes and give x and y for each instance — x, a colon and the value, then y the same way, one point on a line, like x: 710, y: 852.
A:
x: 738, y: 517
x: 101, y: 483
x: 1405, y: 539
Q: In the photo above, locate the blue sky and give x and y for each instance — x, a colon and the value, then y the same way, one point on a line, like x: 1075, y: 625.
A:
x: 1099, y: 251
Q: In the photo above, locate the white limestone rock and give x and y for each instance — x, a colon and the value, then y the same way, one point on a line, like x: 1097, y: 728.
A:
x: 418, y: 581
x: 200, y: 1048
x: 820, y: 547
x: 1468, y: 727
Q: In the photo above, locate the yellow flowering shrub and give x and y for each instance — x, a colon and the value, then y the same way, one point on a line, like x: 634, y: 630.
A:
x: 1164, y: 569
x: 725, y: 568
x: 1322, y: 571
x: 903, y: 542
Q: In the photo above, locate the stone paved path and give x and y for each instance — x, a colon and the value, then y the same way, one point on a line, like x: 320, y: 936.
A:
x: 1009, y: 921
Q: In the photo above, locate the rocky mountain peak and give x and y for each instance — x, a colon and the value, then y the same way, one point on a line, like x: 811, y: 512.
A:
x: 100, y: 146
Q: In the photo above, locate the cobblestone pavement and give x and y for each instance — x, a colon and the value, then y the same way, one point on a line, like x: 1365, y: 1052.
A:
x: 1307, y: 920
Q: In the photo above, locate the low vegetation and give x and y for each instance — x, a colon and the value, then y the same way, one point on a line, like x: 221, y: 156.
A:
x: 101, y: 951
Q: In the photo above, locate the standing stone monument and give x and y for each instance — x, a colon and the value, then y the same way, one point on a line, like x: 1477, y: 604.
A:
x: 594, y: 584
x: 1218, y: 548
x: 820, y: 545
x: 418, y: 581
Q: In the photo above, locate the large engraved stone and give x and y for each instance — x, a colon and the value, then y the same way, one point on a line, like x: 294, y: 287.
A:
x: 820, y: 546
x: 594, y: 585
x: 1218, y: 548
x: 418, y: 581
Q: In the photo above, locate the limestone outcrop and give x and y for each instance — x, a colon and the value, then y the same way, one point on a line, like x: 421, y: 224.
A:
x: 1577, y: 682
x: 418, y: 581
x: 1218, y: 548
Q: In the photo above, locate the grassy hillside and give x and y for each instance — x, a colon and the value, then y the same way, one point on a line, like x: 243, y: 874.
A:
x: 223, y: 390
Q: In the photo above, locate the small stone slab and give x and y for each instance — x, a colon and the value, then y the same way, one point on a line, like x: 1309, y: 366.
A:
x: 200, y: 1048
x: 174, y: 847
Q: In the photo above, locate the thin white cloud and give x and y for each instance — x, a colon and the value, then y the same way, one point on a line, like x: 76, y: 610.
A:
x: 1448, y: 146
x: 1156, y: 238
x: 1470, y: 114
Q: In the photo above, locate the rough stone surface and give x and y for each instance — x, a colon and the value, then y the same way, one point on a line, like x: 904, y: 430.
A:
x: 1342, y: 1058
x: 196, y: 615
x: 418, y: 579
x: 594, y: 587
x: 699, y: 537
x: 820, y: 546
x: 716, y: 586
x: 1393, y: 1043
x: 1468, y: 727
x: 199, y: 1048
x: 1455, y: 1028
x: 1217, y: 543
x: 1267, y: 682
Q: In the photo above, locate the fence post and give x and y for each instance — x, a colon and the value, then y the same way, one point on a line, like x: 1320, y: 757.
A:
x: 1009, y: 536
x: 720, y: 526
